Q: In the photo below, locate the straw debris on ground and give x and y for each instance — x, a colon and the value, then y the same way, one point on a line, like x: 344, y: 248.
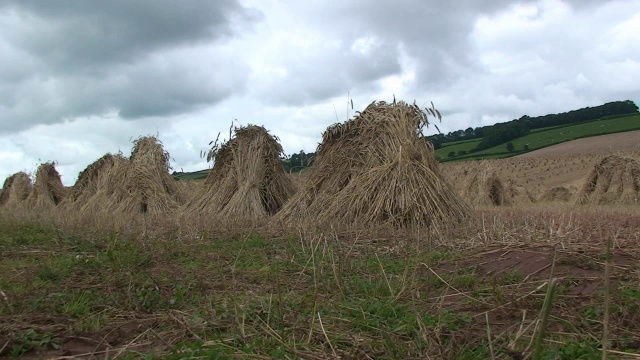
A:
x: 557, y: 194
x: 614, y: 180
x: 247, y: 180
x: 376, y: 169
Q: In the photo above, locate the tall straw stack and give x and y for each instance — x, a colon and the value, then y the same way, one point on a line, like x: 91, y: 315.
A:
x: 94, y: 186
x: 247, y: 180
x: 614, y: 180
x: 483, y: 187
x: 16, y: 190
x: 143, y: 184
x: 376, y: 169
x: 515, y: 193
x: 47, y: 191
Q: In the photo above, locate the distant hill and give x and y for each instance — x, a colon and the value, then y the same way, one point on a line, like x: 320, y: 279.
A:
x: 538, y: 139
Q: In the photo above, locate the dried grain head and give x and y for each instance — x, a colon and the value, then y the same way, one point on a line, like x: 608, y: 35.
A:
x: 148, y: 150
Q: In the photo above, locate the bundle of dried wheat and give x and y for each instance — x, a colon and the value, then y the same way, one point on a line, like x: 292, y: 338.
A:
x: 614, y: 180
x: 47, y: 191
x: 247, y: 180
x: 483, y: 187
x: 515, y: 193
x: 376, y: 169
x: 16, y: 190
x: 93, y: 189
x: 143, y: 184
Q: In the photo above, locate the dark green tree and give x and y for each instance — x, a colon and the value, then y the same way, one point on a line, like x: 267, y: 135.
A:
x: 510, y: 147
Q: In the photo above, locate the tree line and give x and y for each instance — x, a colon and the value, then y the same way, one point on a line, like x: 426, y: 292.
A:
x: 298, y: 161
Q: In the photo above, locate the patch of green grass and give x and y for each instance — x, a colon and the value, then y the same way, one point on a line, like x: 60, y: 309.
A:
x: 456, y: 146
x: 445, y: 318
x: 572, y: 350
x: 196, y: 175
x: 370, y: 314
x: 31, y: 339
x: 464, y: 281
x: 509, y: 278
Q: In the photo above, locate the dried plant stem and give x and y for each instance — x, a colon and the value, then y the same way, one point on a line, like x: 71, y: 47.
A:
x: 493, y: 355
x: 325, y: 335
x: 546, y: 310
x: 607, y: 285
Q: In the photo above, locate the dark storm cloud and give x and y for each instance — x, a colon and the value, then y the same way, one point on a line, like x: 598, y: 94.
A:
x: 77, y: 33
x: 73, y: 58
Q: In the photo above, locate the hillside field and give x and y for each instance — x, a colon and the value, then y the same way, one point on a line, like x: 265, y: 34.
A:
x: 541, y: 138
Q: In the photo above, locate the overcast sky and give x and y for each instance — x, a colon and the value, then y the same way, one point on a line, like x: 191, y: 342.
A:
x: 82, y: 78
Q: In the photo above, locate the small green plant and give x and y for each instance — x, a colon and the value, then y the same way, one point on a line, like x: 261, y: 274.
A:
x: 509, y: 278
x: 572, y: 350
x: 32, y: 340
x: 464, y: 281
x: 148, y: 298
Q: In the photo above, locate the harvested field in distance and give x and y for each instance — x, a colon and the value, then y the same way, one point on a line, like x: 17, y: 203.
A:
x: 343, y: 262
x: 537, y: 174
